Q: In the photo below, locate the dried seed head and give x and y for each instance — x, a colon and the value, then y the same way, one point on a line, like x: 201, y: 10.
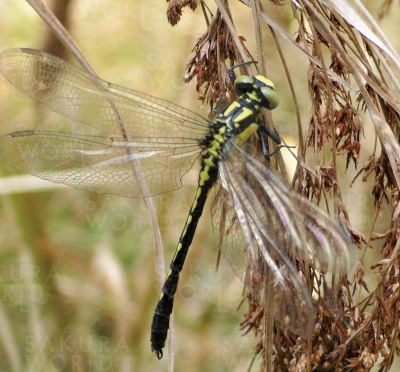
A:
x: 174, y: 11
x: 215, y: 52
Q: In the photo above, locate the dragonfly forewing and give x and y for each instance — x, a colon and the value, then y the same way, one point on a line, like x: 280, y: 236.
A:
x: 87, y: 99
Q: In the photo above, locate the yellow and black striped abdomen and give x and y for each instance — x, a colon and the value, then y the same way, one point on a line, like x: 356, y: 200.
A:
x: 159, y: 329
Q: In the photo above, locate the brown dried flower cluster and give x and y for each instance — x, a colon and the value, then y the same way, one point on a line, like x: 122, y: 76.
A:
x: 333, y: 113
x: 214, y: 53
x: 174, y: 11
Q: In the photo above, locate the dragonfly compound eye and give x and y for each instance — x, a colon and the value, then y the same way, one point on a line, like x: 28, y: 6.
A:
x: 269, y: 97
x: 243, y: 84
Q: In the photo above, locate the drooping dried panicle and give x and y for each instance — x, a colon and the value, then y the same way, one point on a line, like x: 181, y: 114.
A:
x: 380, y: 184
x: 254, y: 317
x: 348, y: 129
x: 391, y: 235
x: 372, y: 95
x: 310, y: 185
x: 174, y: 11
x: 326, y: 174
x: 346, y: 122
x: 378, y: 330
x: 215, y: 52
x: 339, y: 67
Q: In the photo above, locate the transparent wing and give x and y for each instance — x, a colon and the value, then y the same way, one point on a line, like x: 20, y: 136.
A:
x: 87, y: 99
x: 103, y: 165
x: 227, y: 231
x: 155, y: 143
x: 277, y: 227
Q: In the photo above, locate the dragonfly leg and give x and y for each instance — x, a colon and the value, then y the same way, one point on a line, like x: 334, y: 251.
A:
x: 262, y: 129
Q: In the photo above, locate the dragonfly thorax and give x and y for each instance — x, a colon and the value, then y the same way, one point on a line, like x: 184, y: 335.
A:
x: 237, y: 122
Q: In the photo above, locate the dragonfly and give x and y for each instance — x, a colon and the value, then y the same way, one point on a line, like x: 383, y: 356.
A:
x: 145, y: 147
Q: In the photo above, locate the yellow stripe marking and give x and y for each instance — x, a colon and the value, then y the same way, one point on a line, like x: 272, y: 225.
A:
x: 213, y: 152
x: 246, y: 112
x: 188, y: 222
x: 244, y: 135
x: 266, y: 81
x: 230, y: 108
x: 194, y: 204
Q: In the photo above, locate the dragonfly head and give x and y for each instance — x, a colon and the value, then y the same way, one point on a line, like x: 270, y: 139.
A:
x: 259, y: 86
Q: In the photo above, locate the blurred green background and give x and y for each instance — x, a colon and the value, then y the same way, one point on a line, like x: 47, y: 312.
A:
x: 77, y: 275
